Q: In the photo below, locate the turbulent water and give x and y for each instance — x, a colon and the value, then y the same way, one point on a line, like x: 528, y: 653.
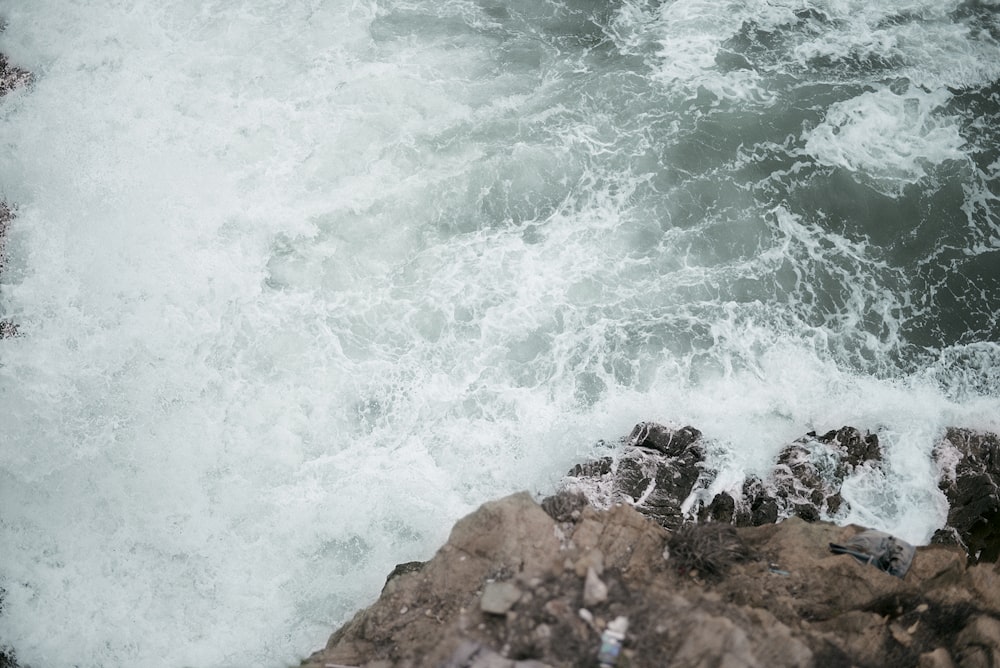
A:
x: 300, y: 282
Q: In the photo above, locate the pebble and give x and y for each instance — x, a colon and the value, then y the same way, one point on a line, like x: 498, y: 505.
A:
x: 499, y: 597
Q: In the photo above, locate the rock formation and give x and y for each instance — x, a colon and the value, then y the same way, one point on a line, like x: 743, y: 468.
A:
x: 970, y: 478
x: 661, y: 469
x: 513, y: 588
x: 742, y: 580
x: 10, y: 78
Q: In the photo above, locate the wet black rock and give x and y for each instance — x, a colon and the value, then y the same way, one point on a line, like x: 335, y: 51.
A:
x: 660, y: 467
x: 970, y: 479
x: 7, y: 327
x: 662, y: 472
x: 657, y: 470
x: 11, y: 77
x: 670, y: 442
x: 808, y: 475
x: 564, y: 507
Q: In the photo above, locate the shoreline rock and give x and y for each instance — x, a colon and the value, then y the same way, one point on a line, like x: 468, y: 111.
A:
x: 970, y: 478
x: 11, y: 77
x: 662, y: 471
x: 509, y: 589
x: 746, y: 579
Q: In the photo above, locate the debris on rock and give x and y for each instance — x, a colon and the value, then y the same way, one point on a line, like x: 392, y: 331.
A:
x: 499, y: 597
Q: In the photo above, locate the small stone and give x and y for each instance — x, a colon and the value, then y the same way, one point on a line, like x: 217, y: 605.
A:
x: 939, y: 658
x: 593, y: 558
x: 900, y: 635
x: 499, y: 597
x: 594, y: 590
x: 556, y: 608
x: 923, y: 607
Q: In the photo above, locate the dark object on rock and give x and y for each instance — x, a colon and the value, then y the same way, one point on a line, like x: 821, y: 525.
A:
x: 611, y: 642
x: 403, y: 569
x: 970, y: 479
x: 708, y: 548
x: 671, y: 442
x: 880, y: 550
x: 564, y: 506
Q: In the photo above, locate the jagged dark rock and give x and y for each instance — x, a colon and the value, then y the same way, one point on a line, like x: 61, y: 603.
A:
x: 970, y: 479
x: 11, y: 77
x: 7, y: 658
x: 808, y: 475
x: 564, y: 506
x: 657, y: 469
x: 403, y: 569
x: 7, y: 327
x: 5, y: 217
x: 670, y: 442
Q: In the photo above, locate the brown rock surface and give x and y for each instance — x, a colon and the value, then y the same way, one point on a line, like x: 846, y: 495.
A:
x: 785, y: 601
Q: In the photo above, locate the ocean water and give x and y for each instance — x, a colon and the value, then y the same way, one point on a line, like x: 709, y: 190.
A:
x: 301, y: 282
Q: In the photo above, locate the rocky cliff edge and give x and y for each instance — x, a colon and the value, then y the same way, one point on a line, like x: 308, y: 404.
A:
x: 525, y: 585
x: 515, y: 586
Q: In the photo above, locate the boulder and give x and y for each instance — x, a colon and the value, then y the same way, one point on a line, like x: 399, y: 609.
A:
x: 658, y: 468
x: 970, y: 478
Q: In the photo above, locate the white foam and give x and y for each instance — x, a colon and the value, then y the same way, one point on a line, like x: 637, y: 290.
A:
x: 891, y: 138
